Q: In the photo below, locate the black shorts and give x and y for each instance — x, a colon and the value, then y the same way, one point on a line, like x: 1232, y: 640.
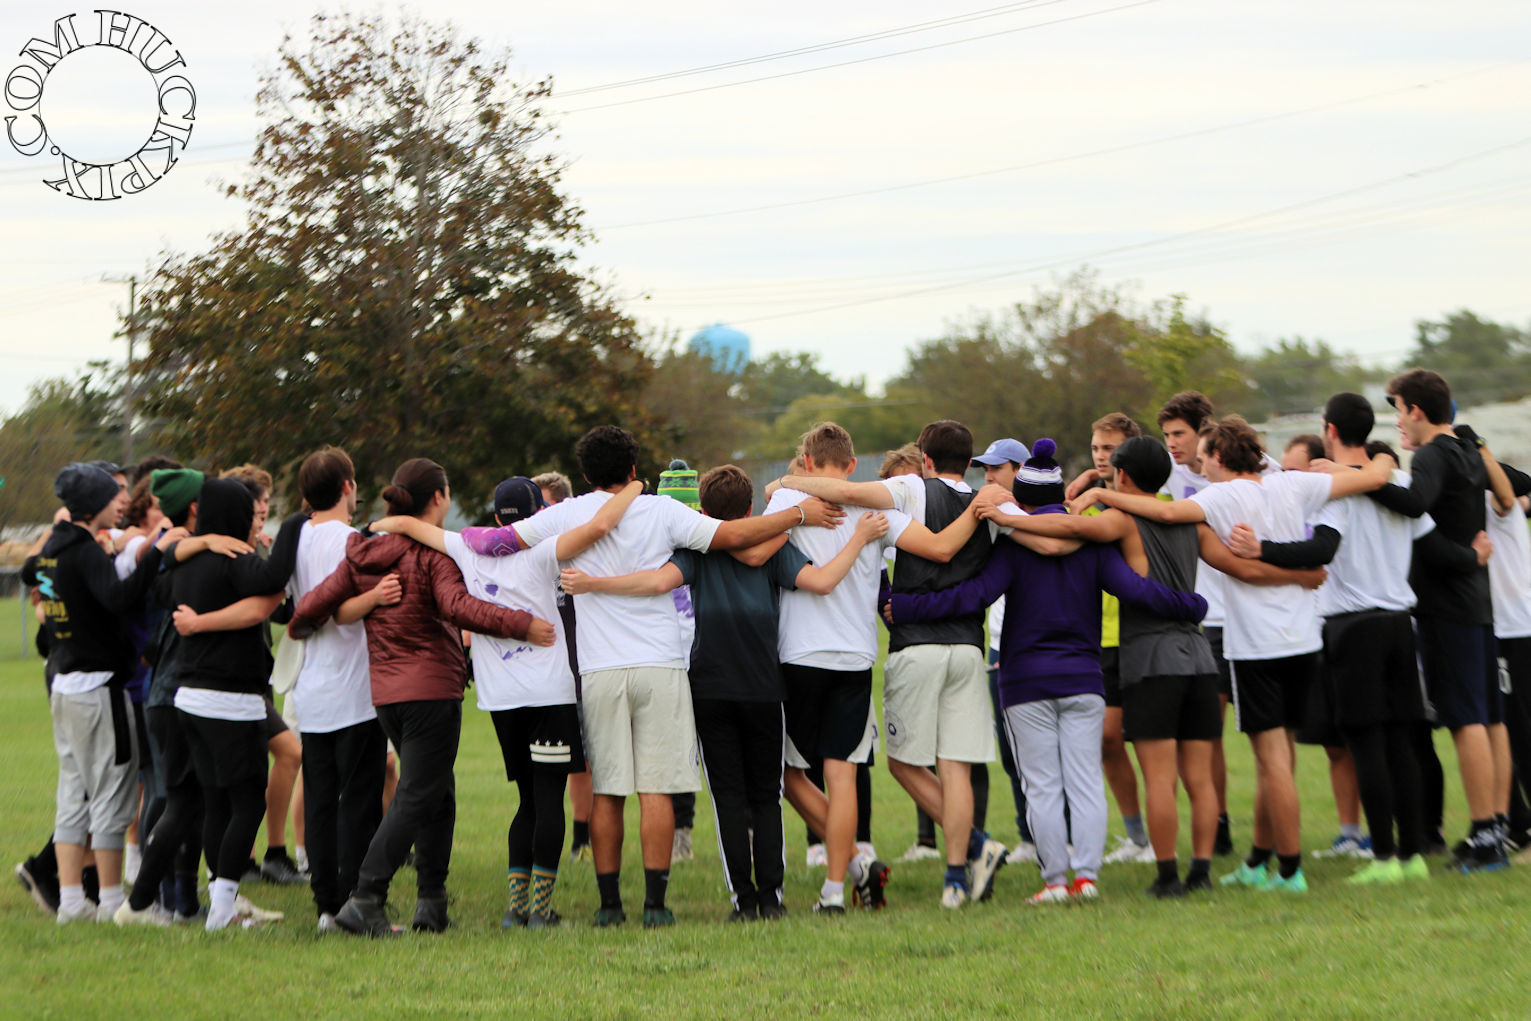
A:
x: 1320, y: 721
x: 827, y: 710
x: 1172, y: 708
x: 1214, y: 635
x: 1370, y: 668
x: 145, y: 748
x: 1111, y: 674
x: 226, y: 752
x: 1271, y: 693
x: 274, y: 724
x: 1461, y: 665
x: 544, y: 735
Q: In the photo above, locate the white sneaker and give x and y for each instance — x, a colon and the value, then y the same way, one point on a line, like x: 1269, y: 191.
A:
x: 327, y: 923
x: 300, y: 858
x: 83, y: 914
x: 953, y: 897
x: 865, y: 847
x: 1022, y: 853
x: 989, y: 861
x: 920, y: 852
x: 1058, y: 894
x: 244, y: 909
x: 817, y: 856
x: 151, y: 915
x: 1126, y: 851
x: 1346, y: 847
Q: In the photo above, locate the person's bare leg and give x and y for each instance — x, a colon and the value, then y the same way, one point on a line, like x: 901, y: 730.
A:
x: 1342, y: 781
x: 840, y: 821
x: 807, y: 800
x: 299, y: 827
x: 606, y: 831
x: 956, y: 808
x: 1475, y: 758
x: 656, y: 830
x: 921, y: 784
x: 1277, y: 783
x: 580, y: 796
x: 390, y: 780
x: 71, y: 862
x: 1504, y: 769
x: 109, y: 867
x: 1157, y: 758
x: 1196, y: 774
x: 286, y: 761
x: 1117, y: 766
x: 1220, y: 762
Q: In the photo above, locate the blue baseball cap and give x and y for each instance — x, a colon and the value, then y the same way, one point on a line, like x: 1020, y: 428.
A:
x: 1004, y: 450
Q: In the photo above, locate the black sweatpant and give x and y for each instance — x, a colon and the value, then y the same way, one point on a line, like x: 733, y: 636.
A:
x: 1432, y: 778
x: 230, y: 761
x: 342, y: 805
x: 1516, y: 655
x: 424, y: 808
x: 175, y: 841
x: 1387, y: 774
x: 742, y: 744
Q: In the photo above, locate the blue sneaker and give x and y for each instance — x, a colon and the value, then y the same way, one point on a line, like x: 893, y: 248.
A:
x: 1347, y: 847
x: 1295, y: 883
x: 1245, y: 876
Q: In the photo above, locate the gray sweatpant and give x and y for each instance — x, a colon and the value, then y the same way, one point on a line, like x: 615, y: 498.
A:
x: 1056, y: 743
x: 97, y: 796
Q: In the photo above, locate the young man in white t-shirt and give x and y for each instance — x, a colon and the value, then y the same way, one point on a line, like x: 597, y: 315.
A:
x: 640, y: 736
x: 1272, y: 635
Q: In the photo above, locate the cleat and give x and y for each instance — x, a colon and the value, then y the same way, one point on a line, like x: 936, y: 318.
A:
x: 657, y: 918
x: 1198, y: 883
x: 772, y: 912
x: 580, y: 852
x: 874, y: 879
x: 1054, y: 894
x: 817, y: 857
x: 151, y: 915
x: 984, y: 867
x: 1084, y: 889
x: 1415, y: 867
x: 740, y: 915
x: 920, y: 852
x: 514, y: 920
x: 1023, y: 853
x: 365, y: 915
x: 607, y: 917
x: 1246, y: 876
x: 953, y: 897
x: 1126, y: 851
x: 1295, y: 883
x: 548, y: 920
x: 1222, y: 846
x: 327, y: 923
x: 44, y: 893
x: 282, y: 871
x: 1170, y: 890
x: 431, y: 914
x: 1388, y: 870
x: 825, y: 906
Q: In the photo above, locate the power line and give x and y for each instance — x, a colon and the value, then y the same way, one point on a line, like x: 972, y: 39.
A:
x: 862, y: 60
x: 1055, y: 160
x: 924, y: 26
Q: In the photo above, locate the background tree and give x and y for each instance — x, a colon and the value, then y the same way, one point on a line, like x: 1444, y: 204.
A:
x: 1299, y: 376
x: 1483, y: 360
x: 405, y: 283
x: 62, y: 421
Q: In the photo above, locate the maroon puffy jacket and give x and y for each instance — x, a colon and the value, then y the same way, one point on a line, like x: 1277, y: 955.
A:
x: 413, y: 645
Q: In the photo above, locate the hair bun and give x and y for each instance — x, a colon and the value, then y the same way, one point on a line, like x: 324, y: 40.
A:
x: 399, y: 500
x: 1044, y: 448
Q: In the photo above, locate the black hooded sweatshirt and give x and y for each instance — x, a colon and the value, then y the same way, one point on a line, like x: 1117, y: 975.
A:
x: 84, y: 602
x: 234, y: 661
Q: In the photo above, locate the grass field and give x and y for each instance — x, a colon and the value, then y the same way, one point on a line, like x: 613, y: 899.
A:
x: 1454, y: 946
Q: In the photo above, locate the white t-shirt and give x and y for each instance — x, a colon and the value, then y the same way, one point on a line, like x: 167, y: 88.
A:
x: 126, y: 562
x: 80, y: 681
x: 837, y: 631
x: 1370, y: 571
x: 221, y: 705
x: 909, y: 494
x: 334, y: 688
x: 626, y: 631
x: 510, y: 674
x: 996, y: 622
x: 1509, y: 571
x: 1267, y: 621
x: 1183, y: 484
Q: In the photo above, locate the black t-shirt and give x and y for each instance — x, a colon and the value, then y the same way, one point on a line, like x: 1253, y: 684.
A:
x: 734, y: 656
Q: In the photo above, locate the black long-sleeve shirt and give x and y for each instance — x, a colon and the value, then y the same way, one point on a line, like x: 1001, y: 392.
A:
x: 84, y: 601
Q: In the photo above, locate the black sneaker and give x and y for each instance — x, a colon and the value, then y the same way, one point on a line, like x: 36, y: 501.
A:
x: 1166, y: 889
x: 773, y: 912
x: 431, y: 914
x: 1223, y: 845
x: 515, y: 919
x: 1435, y: 844
x: 44, y: 893
x: 874, y: 880
x: 365, y: 915
x: 823, y: 907
x: 657, y: 918
x: 252, y: 873
x: 740, y: 915
x: 282, y: 871
x: 539, y: 920
x: 606, y: 917
x: 1198, y: 882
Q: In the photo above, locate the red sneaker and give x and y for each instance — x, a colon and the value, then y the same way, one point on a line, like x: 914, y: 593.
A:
x: 1084, y: 889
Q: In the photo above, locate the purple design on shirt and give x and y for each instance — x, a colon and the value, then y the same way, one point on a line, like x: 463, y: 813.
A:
x: 492, y: 542
x: 491, y: 588
x: 682, y: 598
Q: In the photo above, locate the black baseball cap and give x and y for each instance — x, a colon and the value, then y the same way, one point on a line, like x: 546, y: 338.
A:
x: 516, y: 499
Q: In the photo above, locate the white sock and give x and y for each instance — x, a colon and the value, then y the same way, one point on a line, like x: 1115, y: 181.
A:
x: 221, y: 892
x: 300, y: 856
x: 111, y: 899
x: 832, y: 892
x: 132, y: 858
x: 855, y: 872
x: 71, y: 899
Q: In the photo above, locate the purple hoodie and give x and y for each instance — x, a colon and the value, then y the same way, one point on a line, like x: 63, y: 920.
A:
x: 1050, y: 644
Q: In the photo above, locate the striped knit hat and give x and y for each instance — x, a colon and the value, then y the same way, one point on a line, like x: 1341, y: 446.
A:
x: 1040, y: 480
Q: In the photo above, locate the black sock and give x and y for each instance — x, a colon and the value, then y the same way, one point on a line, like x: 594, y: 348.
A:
x: 610, y: 889
x: 1169, y: 870
x: 91, y: 883
x: 581, y: 833
x: 1258, y: 856
x: 1290, y: 864
x: 275, y: 851
x: 1201, y: 868
x: 655, y: 882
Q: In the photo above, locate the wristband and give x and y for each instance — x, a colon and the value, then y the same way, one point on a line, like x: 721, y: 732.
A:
x: 802, y: 515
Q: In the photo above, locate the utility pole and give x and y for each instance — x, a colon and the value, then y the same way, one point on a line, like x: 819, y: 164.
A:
x: 127, y: 394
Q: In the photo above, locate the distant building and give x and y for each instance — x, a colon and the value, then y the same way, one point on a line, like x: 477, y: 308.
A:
x: 729, y: 348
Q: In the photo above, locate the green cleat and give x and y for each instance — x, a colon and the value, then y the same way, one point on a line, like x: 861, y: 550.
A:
x: 657, y: 918
x: 1297, y: 883
x: 1246, y: 876
x: 1388, y: 870
x: 607, y: 917
x: 1415, y: 867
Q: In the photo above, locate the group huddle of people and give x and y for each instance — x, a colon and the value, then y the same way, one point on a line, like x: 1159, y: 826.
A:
x: 628, y: 643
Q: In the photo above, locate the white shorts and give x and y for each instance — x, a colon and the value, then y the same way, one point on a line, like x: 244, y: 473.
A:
x: 935, y: 705
x: 640, y: 734
x: 97, y: 796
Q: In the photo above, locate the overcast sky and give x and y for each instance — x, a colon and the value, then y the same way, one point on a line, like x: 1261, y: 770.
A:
x: 1332, y: 170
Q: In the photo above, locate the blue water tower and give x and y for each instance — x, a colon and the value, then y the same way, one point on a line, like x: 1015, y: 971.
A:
x: 728, y: 348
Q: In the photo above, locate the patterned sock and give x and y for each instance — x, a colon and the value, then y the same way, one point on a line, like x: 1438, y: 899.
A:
x: 542, y: 889
x: 520, y: 884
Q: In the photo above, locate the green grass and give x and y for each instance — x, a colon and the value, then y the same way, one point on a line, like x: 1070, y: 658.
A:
x: 1454, y: 945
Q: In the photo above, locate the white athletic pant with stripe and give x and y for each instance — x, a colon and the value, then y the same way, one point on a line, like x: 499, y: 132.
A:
x: 1056, y: 743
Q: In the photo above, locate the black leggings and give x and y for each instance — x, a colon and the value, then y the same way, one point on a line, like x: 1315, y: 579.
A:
x: 232, y: 818
x: 174, y: 840
x: 536, y: 832
x: 1432, y: 778
x: 423, y: 812
x: 1388, y: 776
